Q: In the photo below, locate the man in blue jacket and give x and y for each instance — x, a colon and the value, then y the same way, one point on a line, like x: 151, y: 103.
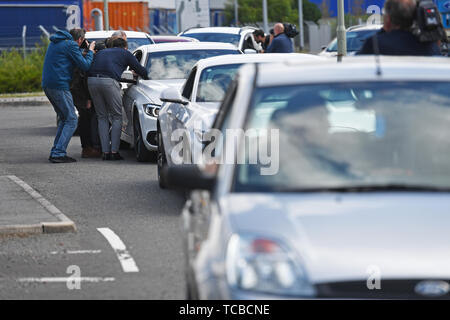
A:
x: 63, y: 54
x: 281, y: 43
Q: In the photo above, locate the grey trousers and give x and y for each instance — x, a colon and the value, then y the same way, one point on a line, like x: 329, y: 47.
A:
x: 107, y: 98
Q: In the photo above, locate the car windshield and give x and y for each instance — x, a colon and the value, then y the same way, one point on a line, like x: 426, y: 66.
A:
x: 351, y: 135
x: 133, y: 43
x: 216, y: 37
x: 355, y: 40
x: 167, y: 65
x: 214, y: 82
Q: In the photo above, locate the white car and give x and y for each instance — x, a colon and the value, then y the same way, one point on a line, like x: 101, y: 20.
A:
x: 234, y: 35
x: 350, y: 214
x: 135, y: 39
x: 356, y: 36
x: 168, y: 65
x: 195, y: 108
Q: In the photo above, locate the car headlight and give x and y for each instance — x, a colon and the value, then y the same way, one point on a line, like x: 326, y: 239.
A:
x: 265, y: 266
x: 152, y: 109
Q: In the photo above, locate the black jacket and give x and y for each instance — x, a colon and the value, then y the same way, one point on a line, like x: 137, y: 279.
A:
x: 399, y: 43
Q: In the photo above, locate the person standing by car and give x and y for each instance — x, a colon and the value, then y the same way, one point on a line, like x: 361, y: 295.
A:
x: 62, y: 56
x: 261, y: 38
x: 396, y: 38
x: 105, y: 89
x: 281, y: 42
x: 87, y: 122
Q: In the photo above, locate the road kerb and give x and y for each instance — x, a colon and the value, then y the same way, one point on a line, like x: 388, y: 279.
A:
x: 64, y: 224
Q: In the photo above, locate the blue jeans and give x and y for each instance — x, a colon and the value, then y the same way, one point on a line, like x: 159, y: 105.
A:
x: 62, y: 102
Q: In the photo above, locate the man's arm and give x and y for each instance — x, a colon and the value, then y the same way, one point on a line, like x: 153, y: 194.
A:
x: 84, y: 63
x: 134, y: 64
x: 271, y: 48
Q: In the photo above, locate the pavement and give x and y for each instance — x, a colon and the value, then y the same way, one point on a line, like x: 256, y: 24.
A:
x: 128, y: 240
x: 24, y: 101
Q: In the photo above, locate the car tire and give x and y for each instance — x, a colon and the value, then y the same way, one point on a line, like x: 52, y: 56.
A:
x: 142, y: 153
x: 161, y: 161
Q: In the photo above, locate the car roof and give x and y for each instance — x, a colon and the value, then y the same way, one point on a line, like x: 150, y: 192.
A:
x: 177, y: 46
x: 107, y: 34
x: 230, y: 30
x: 171, y: 38
x: 355, y: 69
x: 365, y: 27
x: 254, y: 58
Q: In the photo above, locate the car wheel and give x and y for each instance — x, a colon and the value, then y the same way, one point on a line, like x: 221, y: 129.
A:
x: 142, y: 153
x: 161, y: 161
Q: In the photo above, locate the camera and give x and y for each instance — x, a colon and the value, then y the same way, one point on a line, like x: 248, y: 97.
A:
x: 427, y: 25
x: 85, y: 44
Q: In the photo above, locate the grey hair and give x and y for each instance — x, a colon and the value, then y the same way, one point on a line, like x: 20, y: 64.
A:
x: 401, y: 12
x: 119, y: 34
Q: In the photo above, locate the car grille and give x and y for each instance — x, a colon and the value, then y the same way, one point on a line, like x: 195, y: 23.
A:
x: 390, y: 289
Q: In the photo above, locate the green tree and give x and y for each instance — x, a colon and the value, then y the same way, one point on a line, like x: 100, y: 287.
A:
x: 250, y: 11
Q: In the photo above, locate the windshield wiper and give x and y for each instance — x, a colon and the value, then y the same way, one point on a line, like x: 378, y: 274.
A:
x: 374, y: 188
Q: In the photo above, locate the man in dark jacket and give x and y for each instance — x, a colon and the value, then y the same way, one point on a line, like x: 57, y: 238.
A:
x: 63, y: 54
x: 395, y: 38
x: 105, y: 89
x: 281, y: 42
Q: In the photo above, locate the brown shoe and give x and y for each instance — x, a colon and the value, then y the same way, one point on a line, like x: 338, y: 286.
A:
x: 90, y: 152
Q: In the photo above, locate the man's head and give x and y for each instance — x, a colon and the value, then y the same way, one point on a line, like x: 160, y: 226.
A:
x: 399, y: 14
x: 78, y: 35
x: 119, y: 34
x: 259, y: 35
x: 278, y: 29
x: 119, y: 43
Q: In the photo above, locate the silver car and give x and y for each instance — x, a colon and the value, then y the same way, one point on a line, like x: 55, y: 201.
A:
x: 354, y: 202
x: 168, y: 65
x: 194, y: 109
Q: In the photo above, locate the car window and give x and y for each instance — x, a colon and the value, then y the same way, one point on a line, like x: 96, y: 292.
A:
x: 355, y: 40
x: 216, y: 37
x: 214, y: 82
x: 138, y: 55
x: 352, y: 134
x: 189, y: 85
x: 178, y: 64
x: 133, y: 43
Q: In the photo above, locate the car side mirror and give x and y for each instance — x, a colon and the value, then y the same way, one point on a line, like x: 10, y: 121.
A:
x: 188, y: 177
x: 172, y: 95
x: 323, y: 48
x: 250, y: 51
x: 128, y: 77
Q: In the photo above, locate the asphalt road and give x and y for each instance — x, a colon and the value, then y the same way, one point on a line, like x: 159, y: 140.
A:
x: 123, y: 196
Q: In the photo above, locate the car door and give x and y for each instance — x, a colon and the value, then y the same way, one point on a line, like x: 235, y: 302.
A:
x: 177, y: 114
x: 128, y: 100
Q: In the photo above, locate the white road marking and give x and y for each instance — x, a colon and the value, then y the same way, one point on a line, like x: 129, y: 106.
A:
x: 77, y: 252
x: 66, y: 279
x: 127, y: 262
x: 44, y: 202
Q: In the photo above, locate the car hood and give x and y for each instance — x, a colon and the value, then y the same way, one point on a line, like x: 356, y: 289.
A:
x: 154, y: 88
x: 340, y: 237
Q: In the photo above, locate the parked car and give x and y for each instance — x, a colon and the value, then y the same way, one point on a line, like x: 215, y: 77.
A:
x: 169, y: 38
x: 168, y: 65
x: 234, y: 35
x: 356, y: 36
x: 353, y: 211
x: 195, y: 107
x: 135, y: 39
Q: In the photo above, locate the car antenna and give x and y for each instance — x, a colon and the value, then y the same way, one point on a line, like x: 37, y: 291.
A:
x: 376, y: 50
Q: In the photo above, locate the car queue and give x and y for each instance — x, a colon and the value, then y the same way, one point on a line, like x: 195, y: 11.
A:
x: 307, y: 178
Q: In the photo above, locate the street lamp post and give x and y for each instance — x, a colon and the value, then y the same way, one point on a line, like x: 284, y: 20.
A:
x: 300, y: 23
x: 341, y: 37
x: 236, y: 12
x: 265, y: 17
x: 106, y: 14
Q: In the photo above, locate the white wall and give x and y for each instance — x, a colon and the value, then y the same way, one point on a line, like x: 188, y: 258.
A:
x: 162, y: 4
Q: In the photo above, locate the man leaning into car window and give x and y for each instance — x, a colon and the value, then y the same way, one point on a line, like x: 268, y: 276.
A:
x: 62, y: 56
x: 105, y: 89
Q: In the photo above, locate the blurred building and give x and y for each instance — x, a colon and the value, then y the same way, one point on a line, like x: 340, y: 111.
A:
x: 163, y: 16
x: 217, y: 12
x: 354, y: 7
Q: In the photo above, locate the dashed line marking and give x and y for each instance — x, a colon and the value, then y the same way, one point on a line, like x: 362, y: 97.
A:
x: 66, y: 279
x: 125, y: 259
x: 76, y: 252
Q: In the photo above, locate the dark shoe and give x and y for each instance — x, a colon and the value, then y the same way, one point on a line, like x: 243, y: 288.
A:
x: 116, y: 156
x: 90, y: 152
x: 106, y: 156
x: 64, y: 159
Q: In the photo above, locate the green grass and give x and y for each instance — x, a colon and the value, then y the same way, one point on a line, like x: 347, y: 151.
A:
x: 22, y: 75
